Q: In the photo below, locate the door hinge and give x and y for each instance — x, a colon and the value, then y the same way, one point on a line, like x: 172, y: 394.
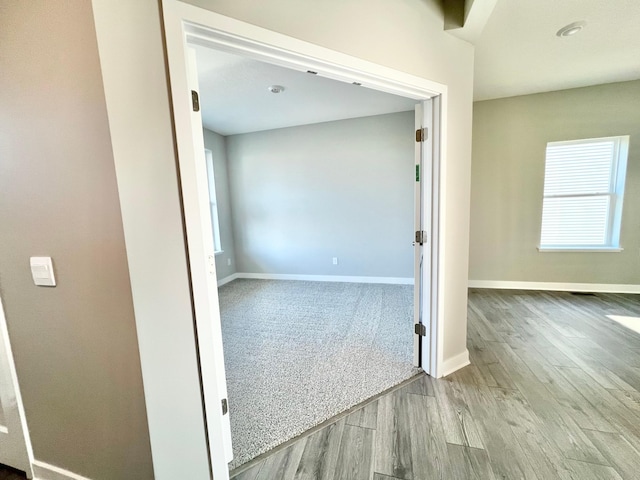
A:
x: 225, y: 406
x: 195, y: 101
x: 421, y: 329
x: 421, y: 237
x: 422, y: 134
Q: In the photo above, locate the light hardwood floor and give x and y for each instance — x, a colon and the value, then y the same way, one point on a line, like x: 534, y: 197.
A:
x: 552, y: 393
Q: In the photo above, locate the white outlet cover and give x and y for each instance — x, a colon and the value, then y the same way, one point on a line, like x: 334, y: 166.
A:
x: 42, y: 271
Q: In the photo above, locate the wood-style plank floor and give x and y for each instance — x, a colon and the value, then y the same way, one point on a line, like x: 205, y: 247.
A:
x: 553, y: 392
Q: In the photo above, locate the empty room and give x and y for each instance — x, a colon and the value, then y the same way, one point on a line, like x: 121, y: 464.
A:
x: 312, y: 192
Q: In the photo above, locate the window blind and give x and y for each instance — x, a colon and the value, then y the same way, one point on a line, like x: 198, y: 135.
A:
x: 579, y: 192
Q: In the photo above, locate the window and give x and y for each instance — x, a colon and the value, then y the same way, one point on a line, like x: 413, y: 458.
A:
x: 583, y: 190
x: 213, y: 203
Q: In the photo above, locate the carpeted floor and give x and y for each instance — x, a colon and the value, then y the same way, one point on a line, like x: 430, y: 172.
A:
x: 298, y: 353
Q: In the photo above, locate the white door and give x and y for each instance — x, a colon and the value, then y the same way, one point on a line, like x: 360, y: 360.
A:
x: 14, y: 444
x: 200, y: 241
x: 423, y: 245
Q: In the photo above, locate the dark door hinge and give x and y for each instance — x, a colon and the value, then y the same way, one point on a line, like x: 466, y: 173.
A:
x: 422, y: 134
x: 225, y: 406
x: 421, y: 329
x: 195, y: 101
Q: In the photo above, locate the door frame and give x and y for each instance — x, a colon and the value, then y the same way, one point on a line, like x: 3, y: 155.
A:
x: 427, y: 195
x: 12, y: 391
x: 186, y: 24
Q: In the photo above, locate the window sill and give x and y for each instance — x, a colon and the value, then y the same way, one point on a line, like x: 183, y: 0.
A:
x: 580, y: 249
x: 218, y: 252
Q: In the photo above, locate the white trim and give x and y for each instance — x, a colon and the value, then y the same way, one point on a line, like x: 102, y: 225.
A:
x: 225, y: 280
x: 319, y: 278
x: 579, y: 249
x: 438, y: 123
x: 450, y: 365
x: 556, y: 287
x: 44, y: 471
x: 200, y: 245
x: 240, y: 38
x: 21, y: 429
x: 207, y: 28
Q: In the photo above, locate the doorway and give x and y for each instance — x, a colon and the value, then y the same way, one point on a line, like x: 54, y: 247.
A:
x: 296, y: 175
x: 198, y: 224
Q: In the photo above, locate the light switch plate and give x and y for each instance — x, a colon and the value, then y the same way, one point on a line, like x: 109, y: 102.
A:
x: 42, y: 271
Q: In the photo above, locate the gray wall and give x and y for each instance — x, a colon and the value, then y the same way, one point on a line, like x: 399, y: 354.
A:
x: 217, y: 144
x: 509, y: 141
x: 343, y: 189
x: 75, y: 345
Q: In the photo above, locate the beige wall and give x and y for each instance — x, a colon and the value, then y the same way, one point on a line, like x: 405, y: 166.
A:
x: 509, y: 141
x: 75, y: 345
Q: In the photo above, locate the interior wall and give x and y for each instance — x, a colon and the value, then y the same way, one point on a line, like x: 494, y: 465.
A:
x: 134, y: 73
x: 75, y: 345
x: 217, y: 144
x: 406, y: 36
x: 345, y: 189
x: 509, y: 142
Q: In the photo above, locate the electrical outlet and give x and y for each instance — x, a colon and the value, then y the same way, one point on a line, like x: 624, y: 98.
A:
x: 228, y: 262
x: 335, y: 260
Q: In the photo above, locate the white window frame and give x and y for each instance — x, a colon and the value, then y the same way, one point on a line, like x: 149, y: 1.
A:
x: 213, y: 202
x: 615, y: 192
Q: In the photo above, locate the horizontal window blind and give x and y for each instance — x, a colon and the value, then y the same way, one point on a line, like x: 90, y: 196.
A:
x: 579, y: 168
x: 579, y: 193
x: 575, y: 221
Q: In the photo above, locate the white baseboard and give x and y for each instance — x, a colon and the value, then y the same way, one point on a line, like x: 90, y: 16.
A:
x: 556, y: 287
x: 453, y: 364
x: 225, y: 280
x: 44, y: 471
x: 325, y: 278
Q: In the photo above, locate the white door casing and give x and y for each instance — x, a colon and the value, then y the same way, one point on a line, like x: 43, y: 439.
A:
x: 195, y: 197
x: 215, y: 332
x: 186, y: 24
x: 418, y: 248
x: 15, y: 445
x: 432, y: 355
x: 425, y: 297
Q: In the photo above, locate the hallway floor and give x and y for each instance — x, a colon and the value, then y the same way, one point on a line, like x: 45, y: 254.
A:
x: 553, y: 392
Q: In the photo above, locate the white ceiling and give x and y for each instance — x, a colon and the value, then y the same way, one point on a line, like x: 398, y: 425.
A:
x: 519, y: 53
x: 234, y: 96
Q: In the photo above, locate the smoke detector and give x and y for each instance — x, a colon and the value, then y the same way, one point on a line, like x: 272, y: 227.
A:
x: 571, y: 29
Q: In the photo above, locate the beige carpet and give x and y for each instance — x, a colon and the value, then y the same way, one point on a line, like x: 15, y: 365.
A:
x: 298, y: 353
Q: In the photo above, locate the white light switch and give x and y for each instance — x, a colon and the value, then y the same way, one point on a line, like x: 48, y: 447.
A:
x: 42, y: 271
